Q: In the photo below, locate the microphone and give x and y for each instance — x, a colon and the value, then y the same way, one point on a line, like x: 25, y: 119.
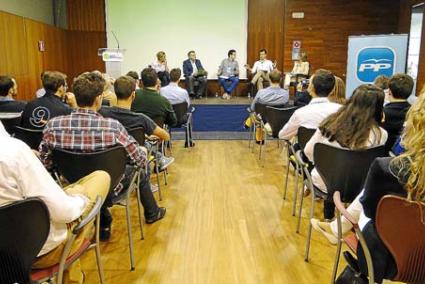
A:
x: 116, y: 39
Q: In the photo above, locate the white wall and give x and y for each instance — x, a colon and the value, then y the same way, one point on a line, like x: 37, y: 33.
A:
x: 39, y: 10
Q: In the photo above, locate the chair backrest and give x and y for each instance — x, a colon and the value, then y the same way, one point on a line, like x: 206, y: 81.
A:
x: 75, y: 165
x: 24, y: 227
x: 304, y: 135
x: 344, y: 170
x: 401, y: 226
x: 32, y: 137
x: 261, y: 110
x: 278, y: 117
x: 180, y: 110
x: 10, y: 120
x: 138, y: 134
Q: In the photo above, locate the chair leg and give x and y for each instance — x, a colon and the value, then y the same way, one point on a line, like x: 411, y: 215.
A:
x: 139, y: 209
x: 165, y: 176
x: 307, y: 245
x: 158, y: 181
x: 300, y: 209
x: 287, y: 174
x: 338, y: 248
x: 295, y: 196
x: 130, y: 235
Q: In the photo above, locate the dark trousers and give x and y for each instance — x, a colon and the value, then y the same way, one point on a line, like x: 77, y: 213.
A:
x: 196, y: 85
x: 146, y: 197
x: 164, y: 77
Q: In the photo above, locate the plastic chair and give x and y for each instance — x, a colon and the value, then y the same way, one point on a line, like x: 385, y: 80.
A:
x: 31, y: 137
x: 41, y: 275
x: 24, y: 227
x: 75, y: 165
x: 10, y: 120
x: 342, y: 170
x: 184, y: 118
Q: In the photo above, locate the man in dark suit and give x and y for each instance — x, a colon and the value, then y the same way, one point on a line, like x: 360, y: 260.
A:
x: 8, y: 90
x: 194, y: 72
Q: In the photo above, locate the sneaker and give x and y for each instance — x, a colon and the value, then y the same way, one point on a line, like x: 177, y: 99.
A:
x: 154, y: 188
x: 159, y: 216
x: 225, y: 95
x: 325, y: 229
x: 228, y: 97
x: 190, y: 144
x: 164, y: 162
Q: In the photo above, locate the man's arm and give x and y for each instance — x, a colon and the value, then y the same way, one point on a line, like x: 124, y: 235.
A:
x: 186, y: 71
x: 200, y: 64
x: 254, y: 68
x: 220, y: 68
x: 161, y: 133
x: 254, y: 101
x: 291, y: 127
x: 136, y: 152
x: 34, y: 181
x: 236, y: 73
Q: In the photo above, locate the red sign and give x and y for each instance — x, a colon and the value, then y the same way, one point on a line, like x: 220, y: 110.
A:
x: 296, y: 44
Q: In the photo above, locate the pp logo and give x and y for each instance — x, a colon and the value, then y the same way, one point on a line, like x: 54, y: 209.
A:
x: 375, y: 61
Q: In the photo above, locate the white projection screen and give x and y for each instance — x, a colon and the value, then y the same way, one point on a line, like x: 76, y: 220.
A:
x: 209, y: 27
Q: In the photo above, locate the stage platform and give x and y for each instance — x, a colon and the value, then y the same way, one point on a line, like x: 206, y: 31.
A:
x: 212, y: 100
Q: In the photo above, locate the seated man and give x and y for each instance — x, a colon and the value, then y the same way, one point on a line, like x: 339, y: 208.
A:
x: 150, y: 102
x: 55, y: 102
x: 228, y: 72
x: 176, y: 95
x: 194, y: 72
x: 311, y: 115
x: 273, y: 95
x: 400, y: 87
x: 23, y: 176
x: 125, y: 87
x: 9, y: 90
x: 104, y: 133
x: 135, y: 76
x: 261, y: 70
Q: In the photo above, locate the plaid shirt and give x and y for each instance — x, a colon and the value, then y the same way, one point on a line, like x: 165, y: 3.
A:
x: 87, y: 131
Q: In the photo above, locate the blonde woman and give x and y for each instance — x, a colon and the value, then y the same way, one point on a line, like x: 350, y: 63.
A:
x: 301, y: 67
x: 109, y: 97
x: 338, y: 93
x: 161, y: 68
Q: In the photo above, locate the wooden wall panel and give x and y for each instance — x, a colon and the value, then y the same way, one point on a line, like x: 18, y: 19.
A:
x: 82, y: 52
x: 86, y: 15
x: 266, y: 30
x: 327, y: 24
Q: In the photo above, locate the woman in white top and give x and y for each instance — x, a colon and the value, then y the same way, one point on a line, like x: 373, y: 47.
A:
x: 301, y: 66
x: 161, y: 68
x: 355, y: 126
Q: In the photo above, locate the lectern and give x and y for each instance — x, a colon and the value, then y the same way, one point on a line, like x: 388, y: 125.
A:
x: 112, y: 58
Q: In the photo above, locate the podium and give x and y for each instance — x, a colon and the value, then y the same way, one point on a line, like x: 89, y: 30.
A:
x: 112, y: 58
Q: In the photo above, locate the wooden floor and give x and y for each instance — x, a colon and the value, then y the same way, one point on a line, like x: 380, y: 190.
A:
x: 226, y: 222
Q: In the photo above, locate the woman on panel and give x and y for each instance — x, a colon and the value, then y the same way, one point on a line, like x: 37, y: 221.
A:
x: 301, y: 67
x: 161, y: 68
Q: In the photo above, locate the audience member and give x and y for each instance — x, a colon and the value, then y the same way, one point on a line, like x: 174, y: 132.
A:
x: 108, y: 98
x: 273, y: 95
x: 228, y: 72
x: 150, y: 102
x: 23, y: 176
x: 318, y: 109
x: 301, y: 67
x: 354, y: 126
x: 194, y: 73
x: 381, y: 81
x: 125, y: 87
x: 303, y: 97
x: 70, y: 132
x: 55, y: 102
x: 261, y: 70
x: 135, y: 76
x: 176, y: 95
x: 338, y: 93
x: 9, y: 90
x: 400, y: 87
x: 161, y: 68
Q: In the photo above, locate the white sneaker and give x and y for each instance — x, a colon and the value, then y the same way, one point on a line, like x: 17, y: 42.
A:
x: 154, y: 188
x: 325, y: 229
x: 225, y: 95
x: 164, y: 162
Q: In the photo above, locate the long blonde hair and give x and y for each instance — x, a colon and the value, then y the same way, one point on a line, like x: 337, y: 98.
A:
x: 413, y: 140
x: 338, y: 93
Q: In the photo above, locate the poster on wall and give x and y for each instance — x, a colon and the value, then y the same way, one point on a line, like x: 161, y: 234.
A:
x: 296, y: 50
x: 372, y: 56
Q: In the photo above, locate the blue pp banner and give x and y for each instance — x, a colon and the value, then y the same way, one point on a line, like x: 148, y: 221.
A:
x: 372, y: 56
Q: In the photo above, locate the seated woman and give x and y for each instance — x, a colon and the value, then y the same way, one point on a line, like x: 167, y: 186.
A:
x: 301, y: 67
x: 338, y: 93
x: 161, y: 68
x: 391, y: 175
x: 108, y: 97
x: 354, y: 126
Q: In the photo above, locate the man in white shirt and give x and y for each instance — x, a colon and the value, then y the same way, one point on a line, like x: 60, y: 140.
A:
x: 22, y: 175
x: 311, y: 115
x: 173, y: 93
x: 261, y: 69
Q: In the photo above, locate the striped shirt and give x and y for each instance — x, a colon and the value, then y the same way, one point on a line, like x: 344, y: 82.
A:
x: 87, y: 131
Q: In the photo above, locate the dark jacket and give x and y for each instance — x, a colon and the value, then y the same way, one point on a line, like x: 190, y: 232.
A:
x: 12, y: 106
x: 395, y: 115
x: 383, y: 178
x: 188, y: 69
x: 155, y: 106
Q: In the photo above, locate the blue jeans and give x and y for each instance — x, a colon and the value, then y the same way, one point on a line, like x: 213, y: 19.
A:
x: 228, y: 88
